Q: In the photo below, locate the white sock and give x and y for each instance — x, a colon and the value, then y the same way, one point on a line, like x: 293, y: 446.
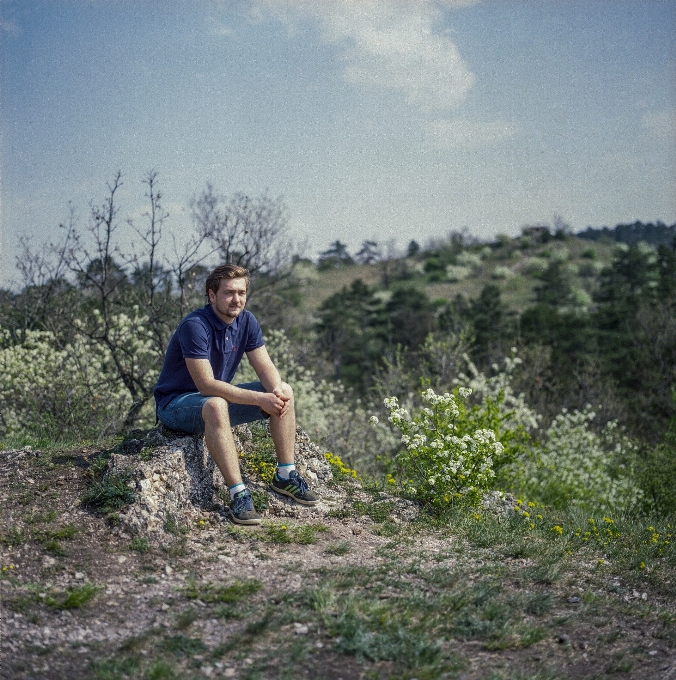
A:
x: 284, y: 470
x: 235, y: 489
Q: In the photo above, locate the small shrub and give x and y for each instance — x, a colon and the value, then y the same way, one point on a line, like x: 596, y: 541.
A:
x: 338, y: 549
x: 140, y: 545
x: 576, y: 465
x: 208, y: 592
x: 339, y: 470
x: 172, y: 526
x: 502, y: 272
x: 74, y: 597
x: 109, y: 494
x: 437, y: 466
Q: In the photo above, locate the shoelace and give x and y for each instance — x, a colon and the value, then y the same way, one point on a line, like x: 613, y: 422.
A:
x: 297, y: 479
x: 242, y: 502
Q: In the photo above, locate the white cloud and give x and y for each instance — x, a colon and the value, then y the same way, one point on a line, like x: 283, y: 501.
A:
x: 660, y: 125
x: 388, y: 44
x: 463, y: 132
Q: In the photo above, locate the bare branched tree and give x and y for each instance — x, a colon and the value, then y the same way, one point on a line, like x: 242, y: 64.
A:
x: 248, y: 231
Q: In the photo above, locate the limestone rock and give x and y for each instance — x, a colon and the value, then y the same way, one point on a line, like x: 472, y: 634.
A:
x: 175, y: 479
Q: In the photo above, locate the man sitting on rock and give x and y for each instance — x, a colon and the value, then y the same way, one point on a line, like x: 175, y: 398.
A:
x: 193, y: 393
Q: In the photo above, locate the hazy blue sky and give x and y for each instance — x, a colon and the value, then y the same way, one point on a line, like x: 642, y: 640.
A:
x: 386, y: 120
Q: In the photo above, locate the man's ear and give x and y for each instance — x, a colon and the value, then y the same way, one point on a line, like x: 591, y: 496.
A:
x: 212, y: 296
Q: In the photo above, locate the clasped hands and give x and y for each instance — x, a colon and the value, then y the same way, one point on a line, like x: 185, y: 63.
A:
x: 276, y: 403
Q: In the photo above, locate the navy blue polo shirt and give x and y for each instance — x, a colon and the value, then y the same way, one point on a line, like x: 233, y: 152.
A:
x: 202, y: 335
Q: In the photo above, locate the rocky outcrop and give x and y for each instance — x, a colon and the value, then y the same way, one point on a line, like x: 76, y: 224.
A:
x: 175, y: 480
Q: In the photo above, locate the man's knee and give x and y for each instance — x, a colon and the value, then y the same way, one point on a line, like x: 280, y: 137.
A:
x: 287, y: 391
x: 215, y: 412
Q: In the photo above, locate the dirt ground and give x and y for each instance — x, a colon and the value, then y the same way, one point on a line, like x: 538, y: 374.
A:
x: 151, y: 614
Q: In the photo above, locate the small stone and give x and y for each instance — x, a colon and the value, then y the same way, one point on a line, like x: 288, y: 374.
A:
x: 356, y: 531
x: 229, y: 673
x: 168, y: 570
x: 644, y: 596
x: 652, y: 652
x: 79, y: 575
x: 300, y: 629
x: 563, y: 639
x: 121, y: 559
x: 574, y: 600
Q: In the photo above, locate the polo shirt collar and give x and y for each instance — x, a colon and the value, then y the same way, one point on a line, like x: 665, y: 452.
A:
x: 218, y: 323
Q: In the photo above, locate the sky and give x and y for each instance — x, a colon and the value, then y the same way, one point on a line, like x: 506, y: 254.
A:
x: 388, y: 120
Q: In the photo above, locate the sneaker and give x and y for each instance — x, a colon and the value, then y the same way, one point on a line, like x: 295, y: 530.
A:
x: 242, y: 509
x: 295, y: 487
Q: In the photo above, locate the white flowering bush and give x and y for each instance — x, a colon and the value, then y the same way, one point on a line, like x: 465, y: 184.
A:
x: 535, y: 266
x: 502, y: 272
x: 577, y: 466
x: 498, y: 408
x: 469, y: 259
x: 60, y: 390
x: 55, y: 391
x: 441, y: 461
x: 457, y: 272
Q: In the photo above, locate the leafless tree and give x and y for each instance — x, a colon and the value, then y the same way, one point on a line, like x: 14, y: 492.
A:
x: 249, y: 231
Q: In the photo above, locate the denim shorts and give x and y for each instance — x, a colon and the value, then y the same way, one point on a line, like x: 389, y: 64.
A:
x: 184, y: 413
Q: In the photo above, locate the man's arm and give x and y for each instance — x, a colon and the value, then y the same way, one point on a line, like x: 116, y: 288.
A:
x: 267, y: 373
x: 265, y: 370
x: 203, y: 376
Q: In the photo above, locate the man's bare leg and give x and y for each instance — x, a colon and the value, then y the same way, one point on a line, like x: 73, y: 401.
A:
x: 219, y: 440
x: 283, y: 430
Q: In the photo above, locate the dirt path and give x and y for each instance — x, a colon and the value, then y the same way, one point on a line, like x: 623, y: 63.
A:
x: 312, y: 596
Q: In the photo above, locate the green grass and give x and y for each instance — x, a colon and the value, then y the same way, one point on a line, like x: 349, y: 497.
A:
x: 338, y: 549
x: 110, y: 494
x: 173, y: 526
x: 13, y: 537
x: 114, y: 669
x: 160, y: 670
x: 304, y: 534
x: 180, y: 645
x: 74, y: 598
x: 210, y: 592
x: 40, y: 517
x: 140, y: 544
x: 186, y: 618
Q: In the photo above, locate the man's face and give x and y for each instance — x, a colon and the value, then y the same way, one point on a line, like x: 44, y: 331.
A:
x: 229, y: 300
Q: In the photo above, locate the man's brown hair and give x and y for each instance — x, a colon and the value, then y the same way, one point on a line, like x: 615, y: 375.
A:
x: 225, y: 271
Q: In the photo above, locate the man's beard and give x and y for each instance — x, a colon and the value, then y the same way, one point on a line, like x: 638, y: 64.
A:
x: 230, y: 313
